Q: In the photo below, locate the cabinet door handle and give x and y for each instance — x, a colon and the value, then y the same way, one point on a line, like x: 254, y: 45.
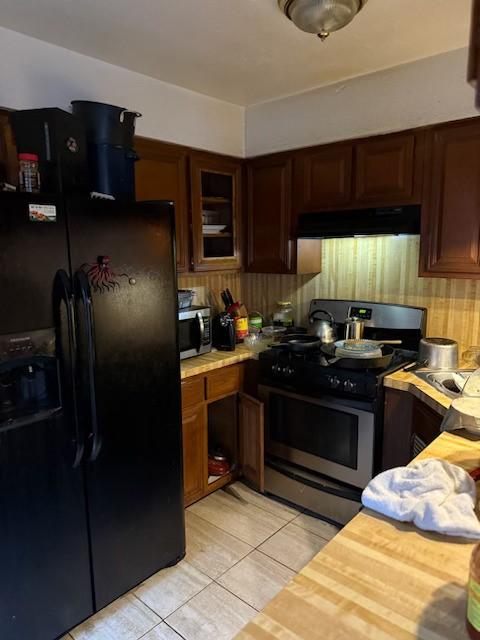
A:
x: 289, y: 254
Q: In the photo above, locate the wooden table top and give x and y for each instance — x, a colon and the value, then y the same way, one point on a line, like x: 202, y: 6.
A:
x: 379, y: 579
x: 213, y: 360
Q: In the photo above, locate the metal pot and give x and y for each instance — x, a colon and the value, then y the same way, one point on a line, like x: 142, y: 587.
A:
x: 324, y: 329
x: 354, y: 328
x: 436, y: 353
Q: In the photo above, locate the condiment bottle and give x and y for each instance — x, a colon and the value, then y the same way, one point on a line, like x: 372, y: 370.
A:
x: 28, y: 173
x: 473, y: 606
x: 240, y: 316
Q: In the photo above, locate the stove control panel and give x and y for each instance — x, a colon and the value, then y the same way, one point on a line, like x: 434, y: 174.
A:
x: 313, y: 378
x: 334, y: 382
x: 349, y: 386
x: 284, y: 371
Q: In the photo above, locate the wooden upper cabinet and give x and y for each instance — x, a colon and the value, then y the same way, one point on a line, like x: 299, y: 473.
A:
x: 474, y: 52
x: 323, y: 177
x: 450, y: 240
x: 216, y: 195
x: 269, y: 186
x: 161, y: 174
x: 8, y: 151
x: 385, y: 170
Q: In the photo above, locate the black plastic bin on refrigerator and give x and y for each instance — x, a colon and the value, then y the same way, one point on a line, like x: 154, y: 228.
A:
x: 110, y: 136
x: 90, y: 430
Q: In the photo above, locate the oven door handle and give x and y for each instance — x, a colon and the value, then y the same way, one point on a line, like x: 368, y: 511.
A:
x: 201, y: 328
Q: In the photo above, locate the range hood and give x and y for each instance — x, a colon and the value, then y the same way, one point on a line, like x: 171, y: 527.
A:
x: 360, y: 222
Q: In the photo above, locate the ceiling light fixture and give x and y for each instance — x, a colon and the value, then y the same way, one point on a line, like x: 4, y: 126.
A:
x: 321, y: 16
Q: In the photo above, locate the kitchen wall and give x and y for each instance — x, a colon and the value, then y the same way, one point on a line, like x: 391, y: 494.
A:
x: 208, y: 287
x: 419, y: 93
x: 381, y: 269
x: 36, y: 74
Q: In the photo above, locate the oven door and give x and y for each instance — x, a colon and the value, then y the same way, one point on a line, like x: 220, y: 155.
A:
x: 325, y: 435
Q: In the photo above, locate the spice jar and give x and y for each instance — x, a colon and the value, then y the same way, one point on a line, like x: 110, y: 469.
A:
x: 28, y: 173
x: 283, y: 314
x: 473, y: 607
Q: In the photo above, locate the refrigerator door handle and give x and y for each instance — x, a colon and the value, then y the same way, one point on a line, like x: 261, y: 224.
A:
x: 201, y: 326
x: 82, y: 290
x: 63, y: 293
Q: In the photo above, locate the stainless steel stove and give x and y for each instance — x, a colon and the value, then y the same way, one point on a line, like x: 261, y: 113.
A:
x: 324, y: 423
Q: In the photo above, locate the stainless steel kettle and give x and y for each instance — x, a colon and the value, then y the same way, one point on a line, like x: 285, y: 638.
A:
x: 324, y: 329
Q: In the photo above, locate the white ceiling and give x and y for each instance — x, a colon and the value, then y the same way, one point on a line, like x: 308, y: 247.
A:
x: 242, y: 51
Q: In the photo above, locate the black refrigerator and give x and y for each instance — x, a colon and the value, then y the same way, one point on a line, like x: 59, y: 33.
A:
x: 91, y: 496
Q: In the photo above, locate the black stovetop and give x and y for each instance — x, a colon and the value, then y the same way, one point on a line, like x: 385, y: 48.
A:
x: 310, y: 374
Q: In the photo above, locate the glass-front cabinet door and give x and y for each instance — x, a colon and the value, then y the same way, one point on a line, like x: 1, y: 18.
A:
x: 216, y: 212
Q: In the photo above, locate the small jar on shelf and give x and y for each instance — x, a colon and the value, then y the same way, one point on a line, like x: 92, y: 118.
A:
x: 283, y: 314
x: 28, y: 173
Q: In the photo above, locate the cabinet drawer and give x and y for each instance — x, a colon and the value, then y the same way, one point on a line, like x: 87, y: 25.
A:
x: 223, y: 381
x: 193, y: 391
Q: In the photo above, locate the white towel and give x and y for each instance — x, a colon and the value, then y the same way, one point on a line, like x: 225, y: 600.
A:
x: 433, y: 494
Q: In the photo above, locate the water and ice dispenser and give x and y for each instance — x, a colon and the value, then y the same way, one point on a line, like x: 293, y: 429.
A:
x: 29, y: 380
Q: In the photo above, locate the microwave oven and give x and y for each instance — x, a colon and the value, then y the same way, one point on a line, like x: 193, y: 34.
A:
x: 194, y: 331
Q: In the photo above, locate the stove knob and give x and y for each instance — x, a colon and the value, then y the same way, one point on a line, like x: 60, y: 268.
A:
x: 349, y: 386
x: 334, y: 382
x: 289, y: 372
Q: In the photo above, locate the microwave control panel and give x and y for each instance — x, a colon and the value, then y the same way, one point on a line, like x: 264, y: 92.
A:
x: 206, y: 334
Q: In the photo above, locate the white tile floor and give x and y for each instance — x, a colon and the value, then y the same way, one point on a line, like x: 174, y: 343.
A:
x: 242, y: 549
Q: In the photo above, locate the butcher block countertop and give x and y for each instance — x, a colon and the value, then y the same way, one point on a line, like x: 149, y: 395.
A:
x: 405, y: 381
x: 213, y: 360
x: 379, y: 579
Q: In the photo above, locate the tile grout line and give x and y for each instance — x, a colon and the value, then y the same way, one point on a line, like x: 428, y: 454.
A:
x: 300, y: 510
x: 222, y: 586
x: 222, y: 530
x: 174, y: 630
x: 235, y: 536
x: 157, y: 625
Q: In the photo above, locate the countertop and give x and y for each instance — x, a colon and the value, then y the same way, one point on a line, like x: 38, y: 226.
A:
x: 405, y: 381
x: 379, y: 579
x: 213, y: 360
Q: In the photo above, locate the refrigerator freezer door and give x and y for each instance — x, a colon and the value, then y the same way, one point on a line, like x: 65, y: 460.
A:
x: 123, y: 257
x: 44, y: 556
x: 32, y: 248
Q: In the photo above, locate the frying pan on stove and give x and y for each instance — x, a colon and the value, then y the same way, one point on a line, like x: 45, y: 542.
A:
x: 299, y: 342
x: 378, y: 362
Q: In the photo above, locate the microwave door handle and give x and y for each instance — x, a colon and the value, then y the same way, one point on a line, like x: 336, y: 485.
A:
x: 201, y: 326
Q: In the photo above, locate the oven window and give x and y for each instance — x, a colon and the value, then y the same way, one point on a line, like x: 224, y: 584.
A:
x: 331, y: 434
x: 188, y: 334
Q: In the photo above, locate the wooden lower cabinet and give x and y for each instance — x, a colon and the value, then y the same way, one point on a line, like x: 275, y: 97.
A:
x: 426, y: 425
x: 194, y: 421
x: 251, y: 440
x: 225, y: 417
x: 409, y: 426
